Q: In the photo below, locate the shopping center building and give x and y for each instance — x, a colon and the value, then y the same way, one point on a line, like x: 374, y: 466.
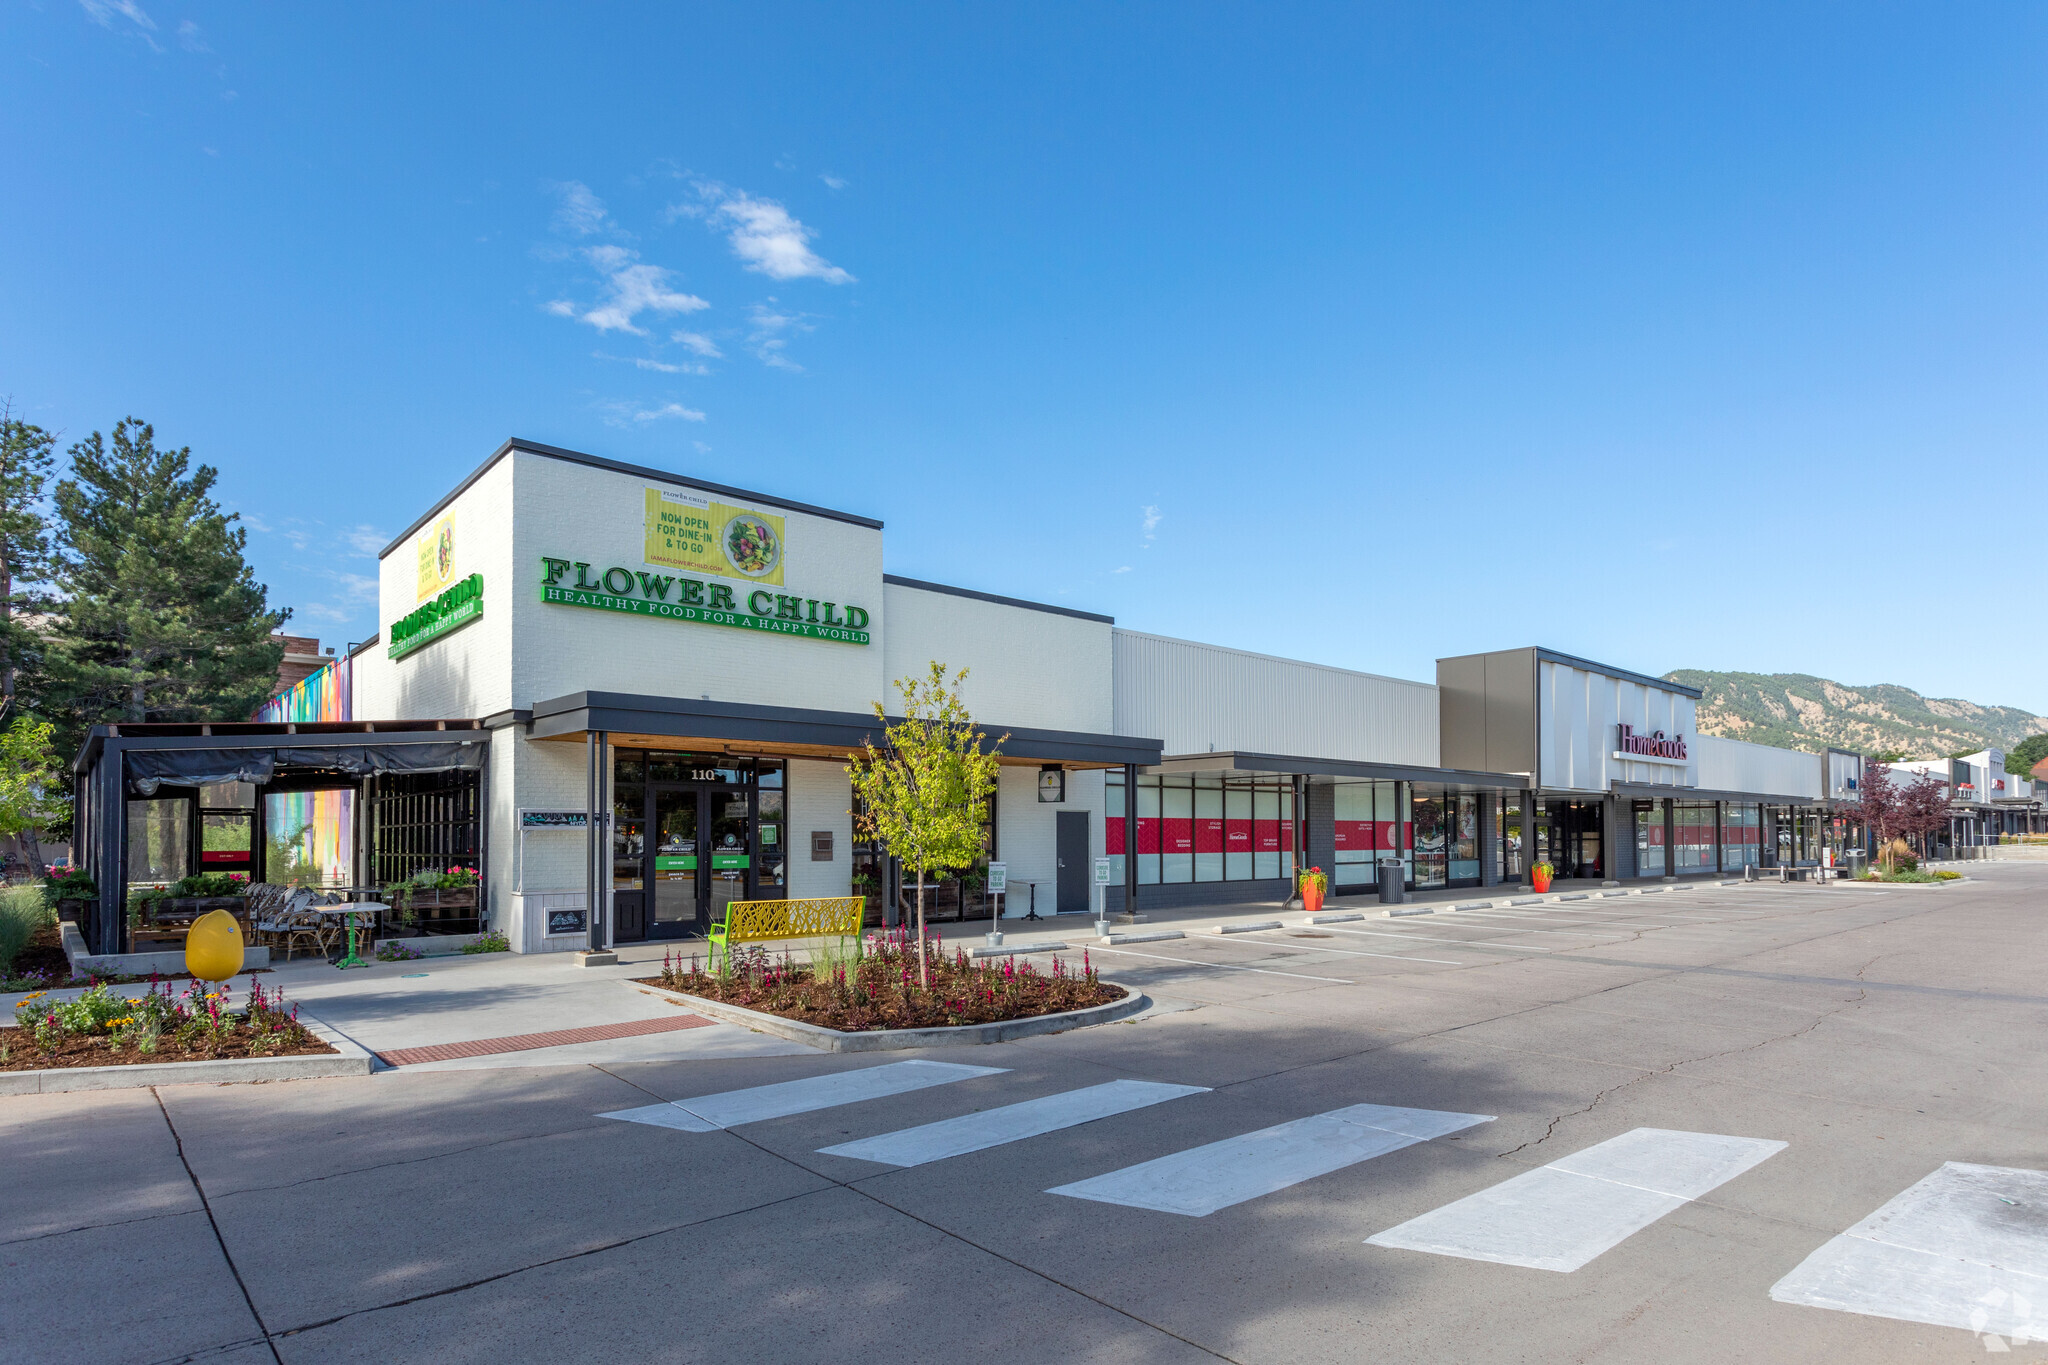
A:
x: 692, y: 663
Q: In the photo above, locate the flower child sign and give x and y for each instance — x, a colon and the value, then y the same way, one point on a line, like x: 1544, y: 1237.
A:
x: 577, y: 583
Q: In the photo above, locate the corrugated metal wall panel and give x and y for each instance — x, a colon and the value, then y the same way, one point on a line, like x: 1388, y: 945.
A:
x: 1198, y: 697
x: 1738, y: 766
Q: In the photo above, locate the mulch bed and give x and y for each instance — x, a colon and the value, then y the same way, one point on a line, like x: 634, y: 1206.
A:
x: 44, y: 955
x: 90, y: 1051
x: 883, y: 991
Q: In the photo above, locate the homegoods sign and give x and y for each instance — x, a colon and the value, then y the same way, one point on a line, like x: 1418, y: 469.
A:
x: 573, y: 583
x: 456, y: 607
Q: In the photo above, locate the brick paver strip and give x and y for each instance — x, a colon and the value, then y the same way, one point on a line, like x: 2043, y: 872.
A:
x: 526, y: 1042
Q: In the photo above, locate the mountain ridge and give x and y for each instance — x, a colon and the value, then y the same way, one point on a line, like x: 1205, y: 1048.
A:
x: 1801, y: 711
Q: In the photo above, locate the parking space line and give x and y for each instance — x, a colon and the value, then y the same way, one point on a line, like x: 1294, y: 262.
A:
x: 1011, y: 1123
x: 1264, y: 971
x: 1389, y: 933
x: 1199, y: 1181
x: 708, y: 1113
x: 1560, y: 1216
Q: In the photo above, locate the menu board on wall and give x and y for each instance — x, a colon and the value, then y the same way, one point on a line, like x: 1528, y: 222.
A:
x: 436, y: 551
x: 686, y: 531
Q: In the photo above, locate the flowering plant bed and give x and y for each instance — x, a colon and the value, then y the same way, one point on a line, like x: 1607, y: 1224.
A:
x: 877, y: 988
x: 104, y: 1029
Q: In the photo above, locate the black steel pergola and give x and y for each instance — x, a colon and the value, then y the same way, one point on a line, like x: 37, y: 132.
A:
x: 119, y: 763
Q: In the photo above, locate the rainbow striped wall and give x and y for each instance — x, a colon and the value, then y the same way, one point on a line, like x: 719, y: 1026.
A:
x: 328, y: 818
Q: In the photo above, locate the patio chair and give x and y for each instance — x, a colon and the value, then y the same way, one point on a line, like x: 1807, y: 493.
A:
x: 302, y: 929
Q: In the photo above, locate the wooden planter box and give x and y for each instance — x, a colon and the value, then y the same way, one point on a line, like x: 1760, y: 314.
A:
x: 436, y: 911
x: 75, y: 908
x: 199, y: 905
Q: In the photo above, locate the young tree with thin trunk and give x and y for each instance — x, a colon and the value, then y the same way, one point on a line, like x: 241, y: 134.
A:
x: 26, y: 451
x: 1924, y: 807
x: 30, y: 784
x: 924, y: 793
x: 158, y: 615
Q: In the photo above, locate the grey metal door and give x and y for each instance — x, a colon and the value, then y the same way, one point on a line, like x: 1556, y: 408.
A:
x: 1072, y: 843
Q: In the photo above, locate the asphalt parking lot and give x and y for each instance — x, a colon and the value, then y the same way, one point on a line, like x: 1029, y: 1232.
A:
x: 1758, y: 1123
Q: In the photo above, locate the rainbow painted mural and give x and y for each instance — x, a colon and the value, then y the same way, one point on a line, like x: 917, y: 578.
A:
x: 325, y: 820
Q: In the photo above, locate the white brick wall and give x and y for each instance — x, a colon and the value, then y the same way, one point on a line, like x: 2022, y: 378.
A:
x: 820, y: 797
x: 1034, y: 669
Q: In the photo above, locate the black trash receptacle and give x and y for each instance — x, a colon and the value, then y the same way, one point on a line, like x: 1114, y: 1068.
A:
x: 1393, y: 890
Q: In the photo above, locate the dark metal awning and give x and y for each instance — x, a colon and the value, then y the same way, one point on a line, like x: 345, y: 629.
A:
x: 1239, y: 763
x: 795, y: 731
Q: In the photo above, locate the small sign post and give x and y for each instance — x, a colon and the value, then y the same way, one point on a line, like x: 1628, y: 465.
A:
x: 1101, y: 890
x: 998, y: 883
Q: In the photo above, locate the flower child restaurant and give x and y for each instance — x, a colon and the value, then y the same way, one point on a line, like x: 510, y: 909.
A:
x: 628, y: 696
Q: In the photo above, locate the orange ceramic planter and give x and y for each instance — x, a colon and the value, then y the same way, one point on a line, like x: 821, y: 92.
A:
x: 1311, y: 897
x: 1541, y: 880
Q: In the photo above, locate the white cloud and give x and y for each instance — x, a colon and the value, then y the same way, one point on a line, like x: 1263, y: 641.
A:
x: 189, y: 39
x: 669, y: 410
x: 697, y: 344
x: 580, y: 212
x: 631, y: 288
x: 764, y: 235
x: 641, y: 362
x: 1150, y: 517
x: 624, y: 413
x: 365, y: 540
x: 1122, y: 568
x: 833, y: 182
x: 102, y: 12
x: 702, y: 449
x: 766, y: 339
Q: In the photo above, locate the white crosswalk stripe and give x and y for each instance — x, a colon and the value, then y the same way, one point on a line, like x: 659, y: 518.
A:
x: 1201, y: 1180
x: 1966, y: 1247
x: 1560, y: 1216
x: 1011, y: 1123
x: 708, y: 1113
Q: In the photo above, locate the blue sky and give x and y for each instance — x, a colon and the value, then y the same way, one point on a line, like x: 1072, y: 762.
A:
x: 1676, y: 336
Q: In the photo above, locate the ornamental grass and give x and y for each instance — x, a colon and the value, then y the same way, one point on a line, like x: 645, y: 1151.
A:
x: 877, y: 985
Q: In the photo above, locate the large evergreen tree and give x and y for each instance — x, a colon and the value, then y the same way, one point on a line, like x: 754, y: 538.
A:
x: 158, y: 616
x: 25, y: 453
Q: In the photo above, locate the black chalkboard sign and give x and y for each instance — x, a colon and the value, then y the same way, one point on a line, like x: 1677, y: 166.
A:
x: 568, y: 922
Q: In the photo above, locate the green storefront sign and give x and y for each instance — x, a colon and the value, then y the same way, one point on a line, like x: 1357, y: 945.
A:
x: 667, y: 597
x: 455, y: 608
x: 687, y: 862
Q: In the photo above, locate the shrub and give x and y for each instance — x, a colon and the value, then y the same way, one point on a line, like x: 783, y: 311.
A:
x: 23, y: 910
x: 395, y: 950
x: 1944, y: 875
x: 490, y: 941
x: 74, y: 884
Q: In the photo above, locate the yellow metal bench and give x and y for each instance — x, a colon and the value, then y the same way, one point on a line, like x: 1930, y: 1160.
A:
x: 766, y: 921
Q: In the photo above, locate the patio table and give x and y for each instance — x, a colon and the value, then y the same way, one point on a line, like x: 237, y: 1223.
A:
x: 352, y: 909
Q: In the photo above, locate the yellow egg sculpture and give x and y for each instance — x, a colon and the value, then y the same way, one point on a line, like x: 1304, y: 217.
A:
x: 213, y: 948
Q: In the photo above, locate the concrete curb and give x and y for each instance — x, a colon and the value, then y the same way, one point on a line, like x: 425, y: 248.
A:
x: 1247, y: 928
x: 1151, y: 936
x: 348, y: 1059
x: 1418, y: 910
x: 898, y: 1040
x: 1019, y: 949
x: 1345, y: 918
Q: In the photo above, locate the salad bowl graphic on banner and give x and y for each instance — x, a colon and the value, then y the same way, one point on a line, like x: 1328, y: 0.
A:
x: 751, y: 545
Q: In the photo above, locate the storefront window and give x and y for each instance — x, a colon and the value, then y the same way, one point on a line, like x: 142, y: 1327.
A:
x: 1209, y: 839
x: 1693, y: 828
x: 1739, y: 837
x: 1462, y: 812
x: 1509, y: 840
x: 1201, y: 829
x: 1432, y: 839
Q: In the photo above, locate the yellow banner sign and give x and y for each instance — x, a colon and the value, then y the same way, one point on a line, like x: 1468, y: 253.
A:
x: 436, y: 547
x: 685, y: 531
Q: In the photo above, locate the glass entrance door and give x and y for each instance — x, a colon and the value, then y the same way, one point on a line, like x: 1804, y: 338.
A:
x: 731, y: 848
x: 677, y: 873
